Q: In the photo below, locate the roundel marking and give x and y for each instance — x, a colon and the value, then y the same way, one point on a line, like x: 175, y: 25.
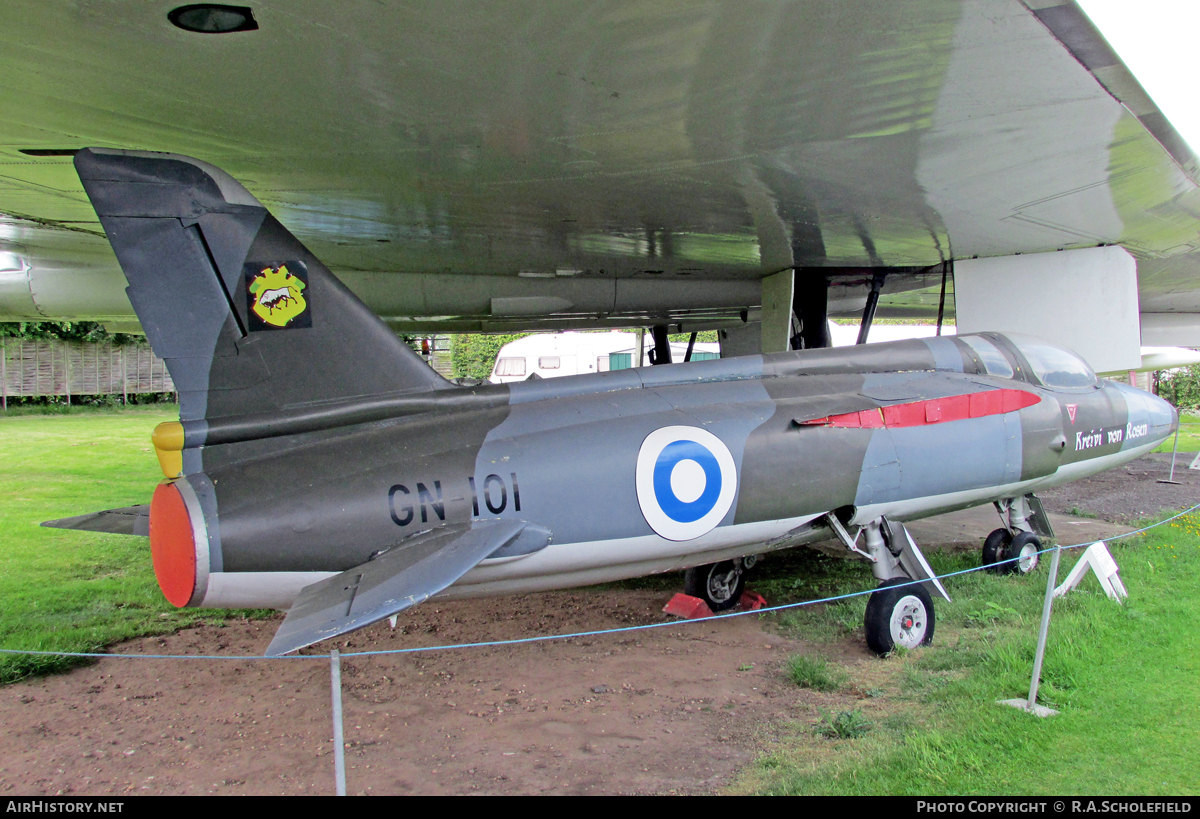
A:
x: 686, y: 481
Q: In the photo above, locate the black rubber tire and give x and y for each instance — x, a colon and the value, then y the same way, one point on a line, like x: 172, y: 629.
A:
x: 895, y: 601
x: 995, y: 547
x: 720, y: 585
x: 1026, y: 542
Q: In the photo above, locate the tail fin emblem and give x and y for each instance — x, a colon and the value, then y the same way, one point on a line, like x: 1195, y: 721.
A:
x: 276, y: 297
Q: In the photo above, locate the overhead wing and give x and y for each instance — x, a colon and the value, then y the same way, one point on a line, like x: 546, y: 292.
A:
x: 128, y: 520
x: 568, y: 164
x: 400, y: 578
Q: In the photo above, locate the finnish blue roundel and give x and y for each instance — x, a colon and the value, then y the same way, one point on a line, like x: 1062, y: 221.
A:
x: 675, y: 455
x: 686, y: 481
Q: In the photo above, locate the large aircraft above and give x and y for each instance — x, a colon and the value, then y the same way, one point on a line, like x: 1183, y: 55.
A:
x: 524, y: 165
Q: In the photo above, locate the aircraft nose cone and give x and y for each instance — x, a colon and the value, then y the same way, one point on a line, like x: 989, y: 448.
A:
x: 1162, y: 414
x: 1150, y: 418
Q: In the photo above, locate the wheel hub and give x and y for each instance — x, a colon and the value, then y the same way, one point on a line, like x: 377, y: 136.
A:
x: 721, y: 585
x: 1028, y: 559
x: 908, y: 622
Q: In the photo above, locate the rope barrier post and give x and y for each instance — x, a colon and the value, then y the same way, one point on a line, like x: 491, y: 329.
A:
x: 1174, y: 451
x: 1030, y: 704
x: 1051, y: 582
x: 339, y: 747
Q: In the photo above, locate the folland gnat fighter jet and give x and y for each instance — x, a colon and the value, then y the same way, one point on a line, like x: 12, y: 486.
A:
x: 320, y: 466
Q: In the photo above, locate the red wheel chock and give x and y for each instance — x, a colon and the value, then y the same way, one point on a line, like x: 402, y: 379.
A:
x: 751, y: 601
x: 687, y: 607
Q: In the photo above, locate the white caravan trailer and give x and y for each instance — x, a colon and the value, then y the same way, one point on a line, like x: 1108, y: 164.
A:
x: 547, y: 355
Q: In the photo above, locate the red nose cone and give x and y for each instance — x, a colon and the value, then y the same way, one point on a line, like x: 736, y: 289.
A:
x: 172, y: 545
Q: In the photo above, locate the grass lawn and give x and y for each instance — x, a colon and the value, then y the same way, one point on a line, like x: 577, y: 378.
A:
x: 1124, y: 677
x: 68, y: 590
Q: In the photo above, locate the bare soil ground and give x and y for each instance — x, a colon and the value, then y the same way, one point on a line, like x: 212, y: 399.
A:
x: 670, y: 710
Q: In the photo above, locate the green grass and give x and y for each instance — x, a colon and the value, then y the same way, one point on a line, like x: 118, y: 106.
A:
x: 808, y: 671
x: 846, y: 725
x: 70, y: 590
x: 1124, y: 678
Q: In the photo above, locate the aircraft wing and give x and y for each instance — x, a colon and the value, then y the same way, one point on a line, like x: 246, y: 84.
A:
x: 128, y: 520
x: 400, y: 578
x: 529, y: 165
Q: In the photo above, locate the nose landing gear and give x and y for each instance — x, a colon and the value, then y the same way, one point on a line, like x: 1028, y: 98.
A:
x: 1013, y: 549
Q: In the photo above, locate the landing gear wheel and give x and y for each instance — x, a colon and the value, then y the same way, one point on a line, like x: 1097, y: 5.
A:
x: 899, y: 616
x: 994, y: 548
x: 720, y: 585
x: 1023, y: 551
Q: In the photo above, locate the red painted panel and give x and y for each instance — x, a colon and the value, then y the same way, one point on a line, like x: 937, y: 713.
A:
x: 956, y: 408
x: 932, y: 411
x: 904, y: 415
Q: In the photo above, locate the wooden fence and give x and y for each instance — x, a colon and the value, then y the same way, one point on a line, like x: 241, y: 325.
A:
x: 55, y: 367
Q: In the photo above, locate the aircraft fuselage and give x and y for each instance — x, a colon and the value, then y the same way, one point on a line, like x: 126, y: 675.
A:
x: 647, y: 470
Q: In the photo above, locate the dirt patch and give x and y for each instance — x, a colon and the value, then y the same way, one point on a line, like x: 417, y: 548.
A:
x: 670, y: 710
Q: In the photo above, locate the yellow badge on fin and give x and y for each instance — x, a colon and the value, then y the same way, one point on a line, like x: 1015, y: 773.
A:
x: 275, y: 294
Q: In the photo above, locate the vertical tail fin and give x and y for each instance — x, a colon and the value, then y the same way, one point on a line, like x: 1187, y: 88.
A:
x: 246, y: 318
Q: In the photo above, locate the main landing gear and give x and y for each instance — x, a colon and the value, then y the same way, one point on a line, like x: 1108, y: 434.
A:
x: 720, y: 585
x: 1013, y: 548
x: 900, y: 612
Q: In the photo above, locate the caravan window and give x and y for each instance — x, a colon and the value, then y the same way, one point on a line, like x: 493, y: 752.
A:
x: 549, y: 362
x: 510, y: 366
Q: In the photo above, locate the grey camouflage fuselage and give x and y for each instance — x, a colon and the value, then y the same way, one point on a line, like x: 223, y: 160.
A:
x: 563, y: 455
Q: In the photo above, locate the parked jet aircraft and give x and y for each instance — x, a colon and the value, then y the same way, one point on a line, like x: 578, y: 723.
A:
x: 319, y: 465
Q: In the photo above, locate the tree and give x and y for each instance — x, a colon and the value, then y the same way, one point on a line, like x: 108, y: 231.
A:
x: 64, y: 330
x: 1181, y: 386
x: 474, y: 355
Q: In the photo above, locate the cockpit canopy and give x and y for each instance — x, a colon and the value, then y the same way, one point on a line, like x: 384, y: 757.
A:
x: 1036, y: 360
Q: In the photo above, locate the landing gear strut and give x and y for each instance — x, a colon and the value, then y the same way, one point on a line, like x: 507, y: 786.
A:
x: 900, y: 612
